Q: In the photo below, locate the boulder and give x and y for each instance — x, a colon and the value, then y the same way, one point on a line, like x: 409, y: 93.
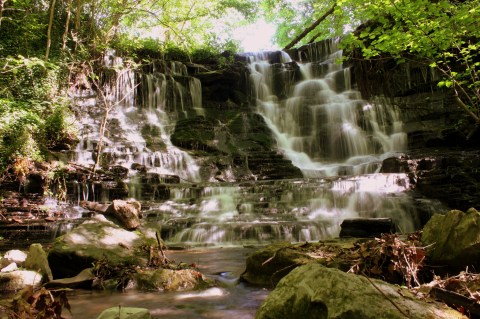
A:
x: 126, y: 212
x: 18, y: 279
x: 125, y: 313
x: 94, y: 240
x: 171, y: 280
x: 454, y: 239
x: 315, y: 292
x: 267, y: 266
x: 37, y: 261
x: 14, y: 256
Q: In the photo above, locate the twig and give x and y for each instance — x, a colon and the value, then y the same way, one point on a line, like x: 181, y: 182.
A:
x: 386, y: 297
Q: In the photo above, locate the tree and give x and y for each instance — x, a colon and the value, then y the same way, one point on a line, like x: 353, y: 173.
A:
x: 442, y: 34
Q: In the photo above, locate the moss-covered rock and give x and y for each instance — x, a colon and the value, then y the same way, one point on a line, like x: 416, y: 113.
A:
x: 37, y: 261
x: 95, y: 240
x: 267, y: 266
x: 125, y: 313
x: 171, y: 280
x: 455, y: 239
x: 316, y: 292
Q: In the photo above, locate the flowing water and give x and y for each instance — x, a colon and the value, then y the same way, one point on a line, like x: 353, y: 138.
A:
x: 320, y: 123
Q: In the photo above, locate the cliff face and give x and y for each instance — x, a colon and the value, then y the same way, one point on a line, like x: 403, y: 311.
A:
x: 430, y: 116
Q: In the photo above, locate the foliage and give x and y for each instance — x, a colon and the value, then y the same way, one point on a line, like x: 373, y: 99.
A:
x: 443, y: 34
x: 37, y: 304
x: 30, y: 118
x: 292, y: 17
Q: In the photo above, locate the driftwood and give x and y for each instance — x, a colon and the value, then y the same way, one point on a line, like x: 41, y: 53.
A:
x: 457, y: 301
x: 366, y: 227
x: 127, y: 212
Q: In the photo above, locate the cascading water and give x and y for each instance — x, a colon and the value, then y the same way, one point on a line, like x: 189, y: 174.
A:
x: 145, y: 106
x: 321, y: 124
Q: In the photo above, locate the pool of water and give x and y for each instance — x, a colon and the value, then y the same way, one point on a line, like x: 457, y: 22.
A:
x: 231, y: 300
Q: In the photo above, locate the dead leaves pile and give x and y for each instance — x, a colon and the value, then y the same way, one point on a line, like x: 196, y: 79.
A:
x: 389, y: 258
x: 37, y: 304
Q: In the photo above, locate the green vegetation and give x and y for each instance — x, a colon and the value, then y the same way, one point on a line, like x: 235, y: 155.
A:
x: 441, y: 34
x: 44, y: 45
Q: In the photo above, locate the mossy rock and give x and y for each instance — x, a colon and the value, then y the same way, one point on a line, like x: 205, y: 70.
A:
x: 316, y: 292
x: 267, y: 266
x: 171, y: 280
x: 94, y: 240
x: 454, y: 239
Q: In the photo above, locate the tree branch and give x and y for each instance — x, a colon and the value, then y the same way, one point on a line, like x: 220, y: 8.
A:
x: 310, y: 28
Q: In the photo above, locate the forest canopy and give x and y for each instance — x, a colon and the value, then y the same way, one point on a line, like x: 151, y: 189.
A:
x: 42, y: 41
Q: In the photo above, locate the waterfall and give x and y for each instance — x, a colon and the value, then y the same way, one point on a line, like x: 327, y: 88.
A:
x: 146, y: 105
x: 320, y: 122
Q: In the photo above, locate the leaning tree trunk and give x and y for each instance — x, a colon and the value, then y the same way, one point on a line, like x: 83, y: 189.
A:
x: 67, y: 23
x: 49, y: 31
x: 310, y: 28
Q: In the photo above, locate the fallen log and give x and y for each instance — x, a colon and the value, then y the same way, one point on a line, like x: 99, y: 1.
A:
x: 366, y: 227
x: 127, y: 212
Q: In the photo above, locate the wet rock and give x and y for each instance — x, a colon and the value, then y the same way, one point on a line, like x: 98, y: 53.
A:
x: 455, y: 240
x: 18, y: 279
x: 126, y: 212
x: 83, y: 280
x: 171, y: 280
x: 95, y: 240
x: 14, y: 255
x: 267, y: 266
x: 313, y: 291
x: 394, y: 165
x: 125, y: 313
x: 451, y: 176
x: 37, y: 261
x: 11, y: 267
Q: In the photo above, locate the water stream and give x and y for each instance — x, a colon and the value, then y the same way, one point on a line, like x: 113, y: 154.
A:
x: 320, y: 123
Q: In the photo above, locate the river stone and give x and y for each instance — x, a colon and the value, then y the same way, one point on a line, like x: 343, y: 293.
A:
x: 125, y: 313
x: 83, y: 280
x: 126, y: 212
x: 265, y: 267
x: 315, y: 292
x: 171, y: 280
x: 18, y: 279
x: 94, y: 240
x: 37, y: 261
x: 11, y: 267
x: 14, y: 255
x: 455, y: 239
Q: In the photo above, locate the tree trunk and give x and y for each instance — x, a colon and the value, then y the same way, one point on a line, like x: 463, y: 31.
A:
x: 67, y: 23
x: 49, y: 31
x: 310, y: 28
x: 2, y: 3
x: 78, y: 13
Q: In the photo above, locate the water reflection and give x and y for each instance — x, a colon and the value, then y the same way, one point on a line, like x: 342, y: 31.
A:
x: 229, y: 300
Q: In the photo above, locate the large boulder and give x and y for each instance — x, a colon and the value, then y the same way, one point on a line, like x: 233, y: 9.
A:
x: 454, y: 239
x: 94, y: 240
x: 267, y: 266
x: 315, y: 292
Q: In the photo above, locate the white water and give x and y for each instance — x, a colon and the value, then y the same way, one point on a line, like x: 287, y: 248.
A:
x: 323, y: 126
x: 168, y: 93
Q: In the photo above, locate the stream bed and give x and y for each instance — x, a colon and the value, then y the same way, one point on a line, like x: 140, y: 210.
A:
x: 230, y: 300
